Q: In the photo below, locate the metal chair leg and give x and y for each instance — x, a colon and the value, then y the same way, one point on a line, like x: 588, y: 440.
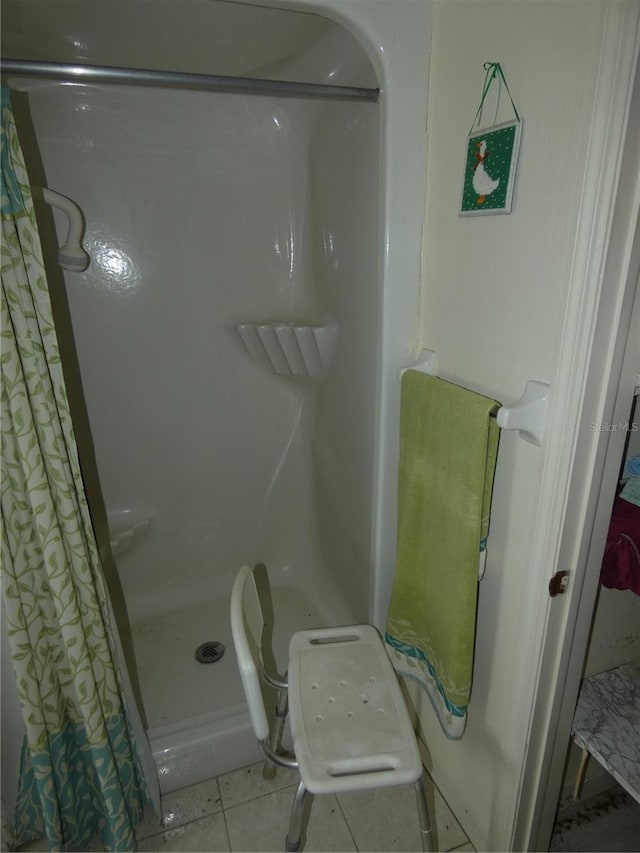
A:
x: 296, y: 824
x: 277, y: 730
x: 423, y: 814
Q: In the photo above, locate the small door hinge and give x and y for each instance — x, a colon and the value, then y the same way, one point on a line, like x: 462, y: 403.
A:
x: 558, y: 583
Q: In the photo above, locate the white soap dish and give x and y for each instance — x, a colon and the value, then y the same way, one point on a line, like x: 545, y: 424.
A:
x: 290, y: 349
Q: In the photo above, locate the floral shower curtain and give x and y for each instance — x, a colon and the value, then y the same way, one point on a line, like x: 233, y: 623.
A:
x: 80, y: 773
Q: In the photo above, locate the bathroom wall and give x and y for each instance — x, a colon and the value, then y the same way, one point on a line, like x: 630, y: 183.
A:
x: 495, y: 289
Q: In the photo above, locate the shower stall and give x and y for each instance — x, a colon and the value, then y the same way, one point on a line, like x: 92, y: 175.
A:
x: 237, y: 332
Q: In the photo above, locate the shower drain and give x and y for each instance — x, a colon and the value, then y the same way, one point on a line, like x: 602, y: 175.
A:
x: 209, y: 652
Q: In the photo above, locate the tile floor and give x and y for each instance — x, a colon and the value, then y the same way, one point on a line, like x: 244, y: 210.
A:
x: 609, y: 820
x: 241, y: 811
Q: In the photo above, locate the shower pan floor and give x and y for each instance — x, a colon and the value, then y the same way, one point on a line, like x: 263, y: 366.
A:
x: 175, y: 686
x: 197, y: 717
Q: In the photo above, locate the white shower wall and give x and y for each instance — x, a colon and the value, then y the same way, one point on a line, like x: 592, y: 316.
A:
x: 204, y: 211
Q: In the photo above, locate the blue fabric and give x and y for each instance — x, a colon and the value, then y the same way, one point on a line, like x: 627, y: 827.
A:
x: 75, y: 791
x: 631, y: 491
x: 633, y: 466
x: 12, y: 202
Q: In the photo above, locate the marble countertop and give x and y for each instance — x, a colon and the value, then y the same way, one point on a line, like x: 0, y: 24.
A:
x: 607, y: 723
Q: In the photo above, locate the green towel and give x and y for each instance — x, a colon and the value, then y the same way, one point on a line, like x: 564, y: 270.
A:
x: 448, y: 449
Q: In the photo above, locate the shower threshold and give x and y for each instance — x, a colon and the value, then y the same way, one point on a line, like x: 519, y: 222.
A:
x: 193, y: 750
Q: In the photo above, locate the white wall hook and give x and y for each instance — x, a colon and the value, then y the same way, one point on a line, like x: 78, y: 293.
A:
x: 527, y: 414
x: 427, y: 362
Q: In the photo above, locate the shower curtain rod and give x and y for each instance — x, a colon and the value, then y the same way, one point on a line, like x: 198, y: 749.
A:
x: 182, y: 79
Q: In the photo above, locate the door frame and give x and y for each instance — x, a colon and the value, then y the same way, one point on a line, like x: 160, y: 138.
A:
x: 594, y: 386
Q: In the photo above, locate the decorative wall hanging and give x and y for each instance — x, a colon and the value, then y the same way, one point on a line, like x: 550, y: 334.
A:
x: 492, y: 155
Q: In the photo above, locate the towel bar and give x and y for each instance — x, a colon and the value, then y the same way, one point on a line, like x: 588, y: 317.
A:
x: 527, y: 414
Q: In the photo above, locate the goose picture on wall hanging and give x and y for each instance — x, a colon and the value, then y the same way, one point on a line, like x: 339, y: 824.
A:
x: 483, y: 183
x: 492, y: 154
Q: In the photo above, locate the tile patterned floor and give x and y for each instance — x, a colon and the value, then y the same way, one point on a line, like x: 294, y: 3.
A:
x: 241, y: 811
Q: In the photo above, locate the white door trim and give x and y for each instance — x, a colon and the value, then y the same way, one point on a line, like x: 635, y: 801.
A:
x: 589, y: 363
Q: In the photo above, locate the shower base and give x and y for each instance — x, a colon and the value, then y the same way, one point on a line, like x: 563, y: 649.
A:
x: 198, y: 721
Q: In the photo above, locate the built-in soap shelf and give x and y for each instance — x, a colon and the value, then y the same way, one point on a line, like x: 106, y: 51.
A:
x: 126, y: 528
x: 290, y: 349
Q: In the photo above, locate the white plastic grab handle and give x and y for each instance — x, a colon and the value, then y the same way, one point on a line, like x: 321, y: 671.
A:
x: 71, y: 256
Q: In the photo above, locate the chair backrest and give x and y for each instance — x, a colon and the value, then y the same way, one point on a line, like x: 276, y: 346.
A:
x: 247, y: 626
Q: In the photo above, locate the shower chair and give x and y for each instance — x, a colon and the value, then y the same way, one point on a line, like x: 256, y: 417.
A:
x: 349, y: 722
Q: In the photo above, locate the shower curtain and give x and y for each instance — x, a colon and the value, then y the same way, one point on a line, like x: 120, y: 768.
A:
x: 80, y: 769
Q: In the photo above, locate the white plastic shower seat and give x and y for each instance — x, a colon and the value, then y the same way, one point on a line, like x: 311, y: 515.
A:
x: 349, y: 723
